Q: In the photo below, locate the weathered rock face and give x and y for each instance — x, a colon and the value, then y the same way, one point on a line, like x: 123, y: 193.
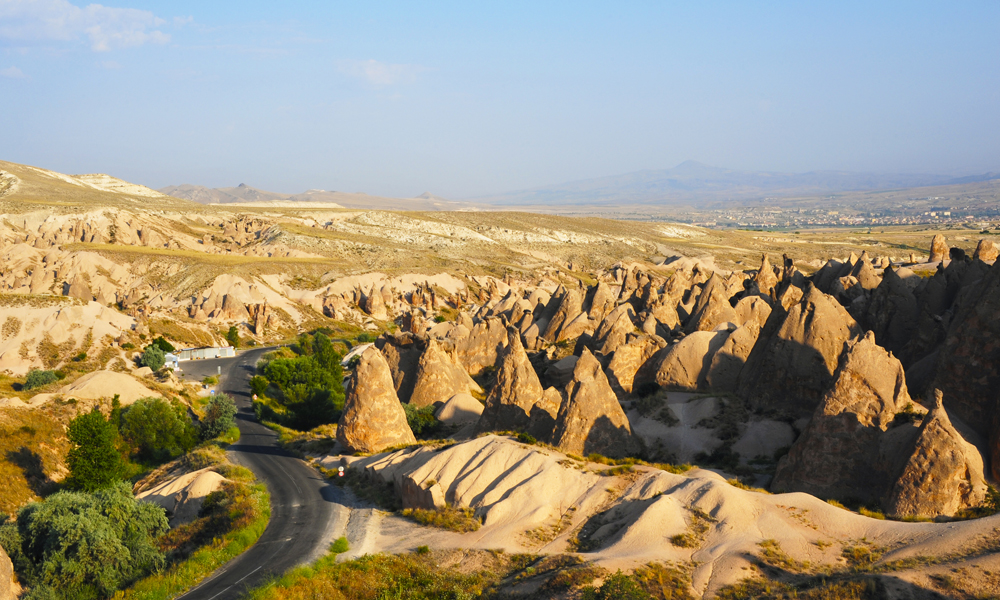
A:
x: 513, y: 403
x: 459, y: 410
x: 712, y: 307
x: 612, y: 331
x: 684, y: 365
x: 570, y: 307
x: 793, y: 361
x: 752, y: 308
x: 439, y: 377
x: 626, y: 362
x: 602, y: 302
x: 373, y: 419
x: 374, y: 305
x: 837, y: 455
x: 724, y: 370
x: 892, y: 312
x: 479, y: 349
x: 590, y: 418
x: 402, y: 352
x: 944, y: 473
x: 968, y: 370
x: 765, y: 280
x: 7, y: 585
x: 865, y: 273
x: 939, y: 249
x: 986, y: 251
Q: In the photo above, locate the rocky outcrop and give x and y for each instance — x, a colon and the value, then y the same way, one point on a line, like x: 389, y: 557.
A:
x: 590, y: 418
x: 986, y: 251
x: 765, y: 280
x: 752, y: 309
x: 602, y: 303
x: 939, y: 249
x: 516, y: 401
x: 374, y: 305
x: 626, y: 361
x: 712, y: 307
x: 865, y: 273
x: 570, y: 307
x: 373, y: 419
x: 837, y: 455
x: 684, y: 365
x: 892, y: 312
x: 460, y: 409
x: 613, y: 330
x: 479, y: 349
x: 792, y: 364
x: 439, y: 377
x: 724, y: 370
x: 8, y: 587
x: 943, y: 474
x: 402, y: 352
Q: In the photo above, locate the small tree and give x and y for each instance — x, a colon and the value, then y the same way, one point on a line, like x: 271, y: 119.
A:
x: 157, y: 430
x: 233, y: 336
x: 153, y: 357
x: 220, y: 415
x: 94, y: 460
x: 258, y: 385
x: 164, y: 344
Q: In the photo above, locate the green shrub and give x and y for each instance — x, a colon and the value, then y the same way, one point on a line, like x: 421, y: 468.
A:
x: 526, y: 438
x: 164, y: 345
x: 462, y: 520
x: 365, y: 338
x: 420, y: 419
x: 94, y: 459
x: 311, y: 385
x: 85, y: 546
x: 340, y: 546
x: 258, y: 385
x: 220, y: 413
x: 80, y: 357
x: 153, y: 357
x: 233, y: 336
x: 157, y: 430
x: 617, y: 586
x: 439, y: 319
x: 210, y: 380
x: 37, y: 378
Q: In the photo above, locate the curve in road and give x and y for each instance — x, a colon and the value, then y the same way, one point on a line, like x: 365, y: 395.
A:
x: 304, y: 506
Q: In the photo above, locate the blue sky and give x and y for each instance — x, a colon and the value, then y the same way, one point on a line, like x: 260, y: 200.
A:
x: 465, y: 99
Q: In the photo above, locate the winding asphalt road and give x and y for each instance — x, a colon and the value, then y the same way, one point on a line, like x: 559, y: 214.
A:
x: 303, y: 504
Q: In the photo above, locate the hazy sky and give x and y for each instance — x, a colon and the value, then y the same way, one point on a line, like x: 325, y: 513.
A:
x: 468, y: 98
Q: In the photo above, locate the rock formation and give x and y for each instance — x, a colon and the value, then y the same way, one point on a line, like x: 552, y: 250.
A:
x: 516, y: 402
x: 792, y: 364
x: 439, y: 377
x: 569, y: 308
x: 943, y: 474
x: 892, y: 312
x: 765, y: 280
x: 374, y: 305
x: 480, y: 347
x: 684, y: 365
x: 837, y: 455
x: 460, y: 409
x: 712, y: 307
x: 724, y: 371
x: 7, y: 585
x: 590, y: 418
x: 373, y: 419
x: 612, y: 331
x: 939, y: 249
x: 402, y: 352
x: 986, y: 251
x: 626, y: 362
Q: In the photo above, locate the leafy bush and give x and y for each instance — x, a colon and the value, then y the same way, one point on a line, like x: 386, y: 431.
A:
x: 85, y: 546
x: 220, y: 413
x: 37, y: 378
x: 94, y: 459
x: 153, y: 357
x: 233, y: 336
x: 439, y: 319
x: 210, y: 380
x: 617, y: 587
x: 258, y: 384
x: 366, y: 338
x: 156, y: 430
x: 340, y: 546
x: 420, y: 419
x: 80, y: 357
x: 164, y: 345
x: 311, y: 385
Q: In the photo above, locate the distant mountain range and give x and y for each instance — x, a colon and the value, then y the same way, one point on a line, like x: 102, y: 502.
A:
x: 243, y: 194
x: 692, y: 181
x: 688, y: 182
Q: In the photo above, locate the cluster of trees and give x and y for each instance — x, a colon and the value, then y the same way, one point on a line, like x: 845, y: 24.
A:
x: 154, y: 355
x: 307, y: 382
x: 84, y: 546
x: 152, y: 430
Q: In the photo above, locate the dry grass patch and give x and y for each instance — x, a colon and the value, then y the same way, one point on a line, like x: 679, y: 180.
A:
x: 453, y: 518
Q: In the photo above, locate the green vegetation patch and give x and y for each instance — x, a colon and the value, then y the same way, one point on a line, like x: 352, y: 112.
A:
x: 462, y: 520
